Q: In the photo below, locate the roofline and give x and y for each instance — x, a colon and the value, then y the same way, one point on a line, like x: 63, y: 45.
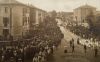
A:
x: 22, y: 4
x: 80, y: 7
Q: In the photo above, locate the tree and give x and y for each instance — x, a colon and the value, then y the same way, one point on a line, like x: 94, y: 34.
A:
x: 90, y: 20
x: 53, y: 14
x: 97, y: 24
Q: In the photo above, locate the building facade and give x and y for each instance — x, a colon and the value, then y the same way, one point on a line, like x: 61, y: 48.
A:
x: 82, y: 12
x: 16, y: 18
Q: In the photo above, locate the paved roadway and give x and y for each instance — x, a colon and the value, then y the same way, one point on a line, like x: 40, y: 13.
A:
x: 77, y: 56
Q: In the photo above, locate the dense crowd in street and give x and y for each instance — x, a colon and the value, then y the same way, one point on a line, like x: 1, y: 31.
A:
x: 86, y: 39
x: 85, y: 48
x: 81, y: 31
x: 85, y: 34
x: 37, y: 49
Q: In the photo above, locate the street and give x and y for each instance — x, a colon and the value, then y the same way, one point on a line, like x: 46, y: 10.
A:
x: 78, y: 55
x: 49, y: 31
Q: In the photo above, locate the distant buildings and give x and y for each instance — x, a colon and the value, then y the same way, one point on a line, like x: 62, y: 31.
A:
x: 79, y: 15
x: 65, y: 16
x: 82, y: 12
x: 17, y: 19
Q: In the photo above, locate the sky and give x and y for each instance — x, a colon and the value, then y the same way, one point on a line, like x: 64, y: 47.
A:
x: 61, y: 5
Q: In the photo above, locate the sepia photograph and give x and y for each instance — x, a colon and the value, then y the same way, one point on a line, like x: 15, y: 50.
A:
x: 49, y: 30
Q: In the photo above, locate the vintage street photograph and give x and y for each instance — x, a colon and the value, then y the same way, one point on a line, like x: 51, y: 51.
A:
x: 49, y: 30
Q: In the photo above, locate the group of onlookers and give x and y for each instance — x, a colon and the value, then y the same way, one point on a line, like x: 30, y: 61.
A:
x: 38, y: 48
x: 85, y: 48
x: 83, y: 33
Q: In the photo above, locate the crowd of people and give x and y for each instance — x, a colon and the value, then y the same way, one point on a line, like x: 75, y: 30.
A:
x: 84, y: 33
x: 84, y: 47
x: 36, y: 49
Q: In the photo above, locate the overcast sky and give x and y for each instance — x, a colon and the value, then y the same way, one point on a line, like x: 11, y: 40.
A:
x: 62, y: 5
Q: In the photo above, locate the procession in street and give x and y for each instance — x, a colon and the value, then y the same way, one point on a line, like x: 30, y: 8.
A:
x: 78, y: 53
x: 51, y: 31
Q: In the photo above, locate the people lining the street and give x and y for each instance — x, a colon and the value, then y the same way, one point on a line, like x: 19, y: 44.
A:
x: 43, y: 43
x: 95, y: 52
x: 78, y: 41
x: 73, y: 48
x: 65, y: 49
x: 91, y: 41
x: 85, y: 48
x: 70, y: 43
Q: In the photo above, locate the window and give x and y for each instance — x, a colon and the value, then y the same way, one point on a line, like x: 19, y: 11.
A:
x: 5, y: 32
x: 24, y: 20
x: 6, y: 9
x: 39, y: 14
x: 25, y: 10
x: 83, y: 20
x: 28, y: 19
x: 5, y: 21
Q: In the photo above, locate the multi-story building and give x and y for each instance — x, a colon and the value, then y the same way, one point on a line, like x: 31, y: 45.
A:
x: 82, y: 12
x: 37, y: 15
x: 16, y: 18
